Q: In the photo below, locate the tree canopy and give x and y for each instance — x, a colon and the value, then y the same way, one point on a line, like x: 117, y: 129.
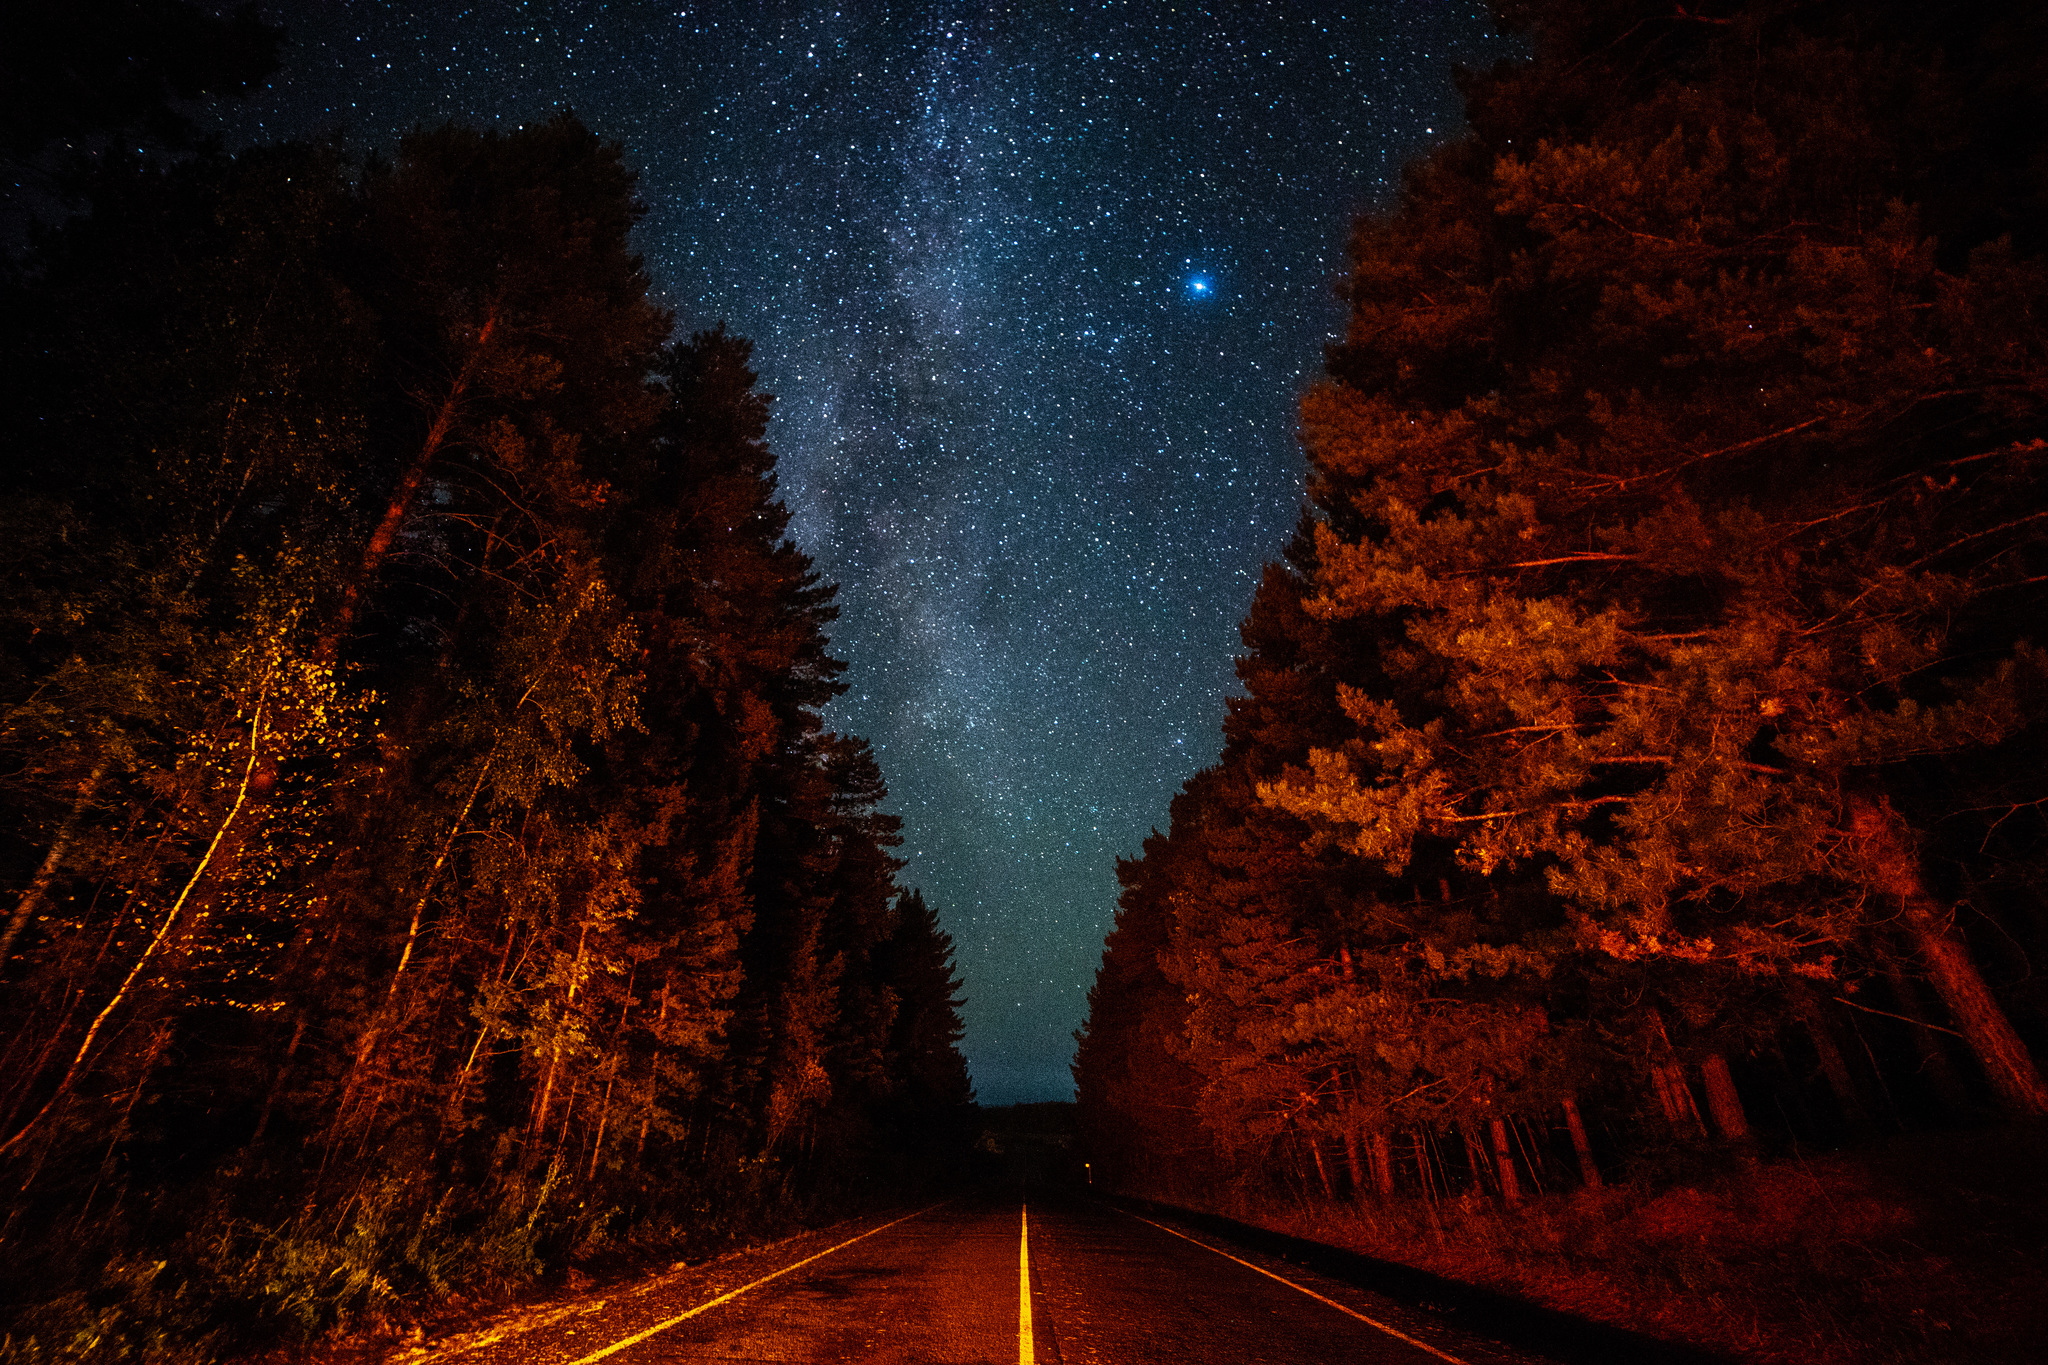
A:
x: 1661, y: 656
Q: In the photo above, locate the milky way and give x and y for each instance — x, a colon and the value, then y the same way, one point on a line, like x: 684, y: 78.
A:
x: 1036, y: 287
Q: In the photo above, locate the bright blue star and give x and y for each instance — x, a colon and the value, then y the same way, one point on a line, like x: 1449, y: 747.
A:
x: 1200, y: 287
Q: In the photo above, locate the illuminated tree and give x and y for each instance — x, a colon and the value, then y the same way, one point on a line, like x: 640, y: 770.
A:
x: 1661, y: 654
x: 1700, y: 486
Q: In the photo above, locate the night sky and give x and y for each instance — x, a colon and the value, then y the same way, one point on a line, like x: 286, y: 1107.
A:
x: 1036, y: 287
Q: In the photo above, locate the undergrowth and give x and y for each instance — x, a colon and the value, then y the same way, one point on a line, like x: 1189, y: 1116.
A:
x: 183, y: 1283
x: 1927, y: 1249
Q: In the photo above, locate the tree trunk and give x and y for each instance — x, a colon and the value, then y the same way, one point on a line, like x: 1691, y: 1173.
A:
x: 159, y: 1038
x: 540, y: 1109
x: 177, y: 907
x: 1674, y: 1096
x: 568, y: 1116
x: 1422, y: 1166
x: 419, y: 909
x: 1382, y: 1163
x: 39, y: 886
x: 1841, y: 1081
x: 1532, y: 1152
x: 284, y: 1069
x: 1722, y: 1100
x: 1504, y: 1163
x: 603, y: 1113
x: 387, y: 1013
x: 1475, y: 1156
x: 1667, y: 1075
x: 1589, y: 1172
x: 1352, y: 1161
x: 1934, y: 1059
x: 1315, y: 1149
x: 386, y: 533
x: 1894, y: 869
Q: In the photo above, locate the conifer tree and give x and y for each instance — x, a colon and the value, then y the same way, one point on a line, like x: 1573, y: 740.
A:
x: 931, y: 1081
x: 1665, y: 618
x: 1703, y: 491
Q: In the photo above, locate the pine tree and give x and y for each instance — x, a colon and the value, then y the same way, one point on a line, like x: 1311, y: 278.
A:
x: 1665, y: 614
x: 1696, y: 566
x: 931, y: 1082
x: 1135, y: 1093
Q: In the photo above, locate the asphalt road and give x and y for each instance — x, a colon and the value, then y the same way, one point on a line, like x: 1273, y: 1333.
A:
x: 1048, y: 1279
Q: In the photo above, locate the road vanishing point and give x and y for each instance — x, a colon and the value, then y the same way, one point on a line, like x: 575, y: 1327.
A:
x: 1051, y: 1278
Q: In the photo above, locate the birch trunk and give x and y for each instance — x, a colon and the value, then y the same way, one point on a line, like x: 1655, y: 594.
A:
x: 603, y: 1114
x: 177, y: 907
x: 388, y: 1013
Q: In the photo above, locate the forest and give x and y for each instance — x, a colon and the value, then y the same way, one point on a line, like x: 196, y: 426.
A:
x: 1638, y: 772
x: 427, y: 864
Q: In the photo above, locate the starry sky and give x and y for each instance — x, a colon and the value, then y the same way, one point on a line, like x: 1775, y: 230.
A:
x: 1036, y: 286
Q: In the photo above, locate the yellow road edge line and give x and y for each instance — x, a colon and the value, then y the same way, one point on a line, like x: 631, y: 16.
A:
x: 1352, y: 1312
x: 730, y: 1295
x: 1027, y: 1353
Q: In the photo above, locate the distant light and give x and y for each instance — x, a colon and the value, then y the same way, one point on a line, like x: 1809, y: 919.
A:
x: 1200, y: 286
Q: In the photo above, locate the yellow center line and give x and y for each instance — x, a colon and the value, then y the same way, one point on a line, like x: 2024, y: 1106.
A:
x: 1026, y: 1354
x: 729, y: 1296
x: 1370, y: 1322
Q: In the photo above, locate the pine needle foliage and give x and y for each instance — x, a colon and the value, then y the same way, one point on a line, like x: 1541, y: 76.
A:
x: 1654, y: 692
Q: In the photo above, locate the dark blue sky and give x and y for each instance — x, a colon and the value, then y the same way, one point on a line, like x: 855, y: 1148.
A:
x: 1036, y: 287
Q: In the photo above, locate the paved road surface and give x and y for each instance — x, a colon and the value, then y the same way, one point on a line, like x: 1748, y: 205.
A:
x: 988, y: 1280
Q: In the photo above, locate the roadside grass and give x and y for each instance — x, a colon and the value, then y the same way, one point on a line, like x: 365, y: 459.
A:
x: 1924, y: 1249
x: 189, y: 1281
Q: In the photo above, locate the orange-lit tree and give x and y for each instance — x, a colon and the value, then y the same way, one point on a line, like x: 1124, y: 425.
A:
x: 1661, y: 658
x: 1702, y: 491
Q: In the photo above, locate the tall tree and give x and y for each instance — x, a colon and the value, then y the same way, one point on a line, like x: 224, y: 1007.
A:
x: 1666, y: 612
x: 1703, y: 492
x: 924, y: 1035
